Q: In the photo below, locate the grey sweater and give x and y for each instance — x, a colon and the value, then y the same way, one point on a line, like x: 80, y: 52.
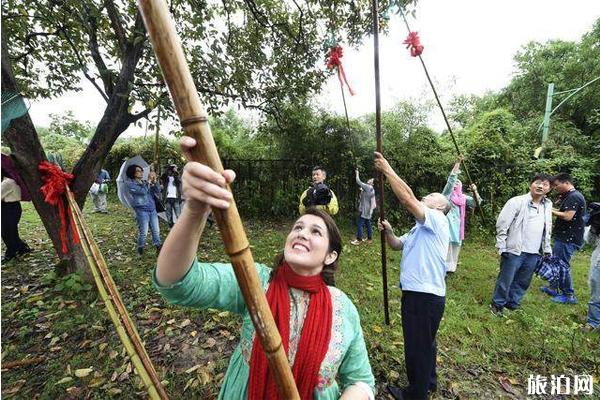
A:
x: 365, y: 204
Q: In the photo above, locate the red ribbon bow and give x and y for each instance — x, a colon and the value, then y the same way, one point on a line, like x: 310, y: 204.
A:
x: 54, y: 187
x: 414, y: 43
x: 335, y: 61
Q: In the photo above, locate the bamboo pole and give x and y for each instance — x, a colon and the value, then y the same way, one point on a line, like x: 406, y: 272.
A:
x: 123, y: 325
x: 380, y: 179
x: 437, y: 99
x: 194, y: 121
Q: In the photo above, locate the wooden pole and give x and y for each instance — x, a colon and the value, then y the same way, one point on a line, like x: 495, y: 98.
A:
x: 380, y: 179
x: 114, y: 305
x: 194, y: 121
x: 437, y: 99
x: 156, y: 144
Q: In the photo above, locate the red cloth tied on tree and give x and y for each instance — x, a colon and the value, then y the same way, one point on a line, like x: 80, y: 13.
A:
x: 414, y: 43
x: 54, y: 187
x: 335, y: 61
x: 314, y: 339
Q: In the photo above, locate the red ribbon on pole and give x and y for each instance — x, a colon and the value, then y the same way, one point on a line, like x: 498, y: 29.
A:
x: 54, y: 188
x: 413, y: 43
x: 335, y: 61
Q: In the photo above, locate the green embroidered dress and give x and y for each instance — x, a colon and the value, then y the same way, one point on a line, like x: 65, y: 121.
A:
x: 214, y: 286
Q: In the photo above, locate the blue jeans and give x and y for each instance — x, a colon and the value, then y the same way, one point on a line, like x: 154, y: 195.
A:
x: 514, y: 278
x: 594, y: 304
x: 145, y: 218
x: 359, y: 232
x: 565, y: 251
x: 172, y: 205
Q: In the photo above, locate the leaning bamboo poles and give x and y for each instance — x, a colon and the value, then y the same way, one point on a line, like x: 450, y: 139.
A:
x: 194, y: 121
x: 116, y: 309
x: 380, y: 179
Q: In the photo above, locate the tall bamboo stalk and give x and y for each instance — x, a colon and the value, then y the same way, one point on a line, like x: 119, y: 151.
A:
x: 194, y: 121
x: 380, y: 180
x: 119, y: 316
x: 437, y: 99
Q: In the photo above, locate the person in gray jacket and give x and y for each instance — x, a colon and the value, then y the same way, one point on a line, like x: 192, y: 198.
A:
x: 523, y: 232
x: 366, y: 205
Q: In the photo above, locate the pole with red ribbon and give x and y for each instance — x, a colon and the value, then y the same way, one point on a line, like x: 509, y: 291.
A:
x: 54, y: 190
x: 334, y: 60
x: 413, y: 43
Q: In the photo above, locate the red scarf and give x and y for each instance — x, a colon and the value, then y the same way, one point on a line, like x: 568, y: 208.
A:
x: 314, y: 339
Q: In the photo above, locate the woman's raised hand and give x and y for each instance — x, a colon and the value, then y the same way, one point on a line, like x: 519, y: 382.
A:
x: 203, y: 187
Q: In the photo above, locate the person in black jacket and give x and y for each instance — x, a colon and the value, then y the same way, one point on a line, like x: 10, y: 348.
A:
x: 171, y: 183
x: 567, y: 234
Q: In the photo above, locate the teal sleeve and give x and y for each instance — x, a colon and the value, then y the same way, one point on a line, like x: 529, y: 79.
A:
x: 209, y: 285
x: 450, y: 184
x: 470, y: 201
x: 355, y: 366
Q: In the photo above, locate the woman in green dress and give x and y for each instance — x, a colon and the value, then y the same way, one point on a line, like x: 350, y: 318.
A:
x: 319, y: 325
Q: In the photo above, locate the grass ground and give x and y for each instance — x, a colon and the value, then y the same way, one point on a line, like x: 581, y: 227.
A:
x: 60, y: 319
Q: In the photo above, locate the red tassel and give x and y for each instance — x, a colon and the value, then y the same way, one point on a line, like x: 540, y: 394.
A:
x: 413, y: 43
x: 54, y: 188
x: 335, y: 61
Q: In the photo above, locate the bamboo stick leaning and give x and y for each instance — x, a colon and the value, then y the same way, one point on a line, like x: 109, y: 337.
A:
x: 194, y: 121
x: 115, y: 307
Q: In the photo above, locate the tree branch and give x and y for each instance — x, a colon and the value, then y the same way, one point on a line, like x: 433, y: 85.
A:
x: 105, y: 74
x: 117, y: 24
x: 83, y: 65
x: 29, y: 38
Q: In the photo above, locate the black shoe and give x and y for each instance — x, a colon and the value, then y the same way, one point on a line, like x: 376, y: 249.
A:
x: 24, y: 250
x: 512, y: 307
x: 158, y: 249
x: 396, y: 392
x: 496, y: 310
x: 140, y: 250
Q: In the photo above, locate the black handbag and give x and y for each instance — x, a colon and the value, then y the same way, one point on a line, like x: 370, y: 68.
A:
x: 160, y: 207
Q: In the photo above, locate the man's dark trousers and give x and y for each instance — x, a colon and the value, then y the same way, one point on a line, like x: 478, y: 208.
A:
x: 421, y: 316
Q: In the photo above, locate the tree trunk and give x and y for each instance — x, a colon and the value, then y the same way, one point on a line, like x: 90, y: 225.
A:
x: 27, y: 152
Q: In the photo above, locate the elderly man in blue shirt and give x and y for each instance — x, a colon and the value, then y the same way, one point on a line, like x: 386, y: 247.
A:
x: 422, y: 273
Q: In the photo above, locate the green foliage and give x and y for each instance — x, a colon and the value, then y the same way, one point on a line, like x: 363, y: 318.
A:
x: 71, y: 285
x: 69, y: 149
x: 68, y: 126
x: 257, y: 54
x: 145, y: 147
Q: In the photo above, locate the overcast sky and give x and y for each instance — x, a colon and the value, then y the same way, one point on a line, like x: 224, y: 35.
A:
x: 469, y: 48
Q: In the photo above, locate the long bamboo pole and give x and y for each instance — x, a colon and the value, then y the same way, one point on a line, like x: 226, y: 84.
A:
x: 437, y: 99
x: 380, y: 179
x: 114, y: 305
x: 194, y: 121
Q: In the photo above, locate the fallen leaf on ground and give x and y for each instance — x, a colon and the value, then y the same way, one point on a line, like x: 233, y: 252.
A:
x: 506, y: 385
x: 64, y: 380
x: 83, y: 372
